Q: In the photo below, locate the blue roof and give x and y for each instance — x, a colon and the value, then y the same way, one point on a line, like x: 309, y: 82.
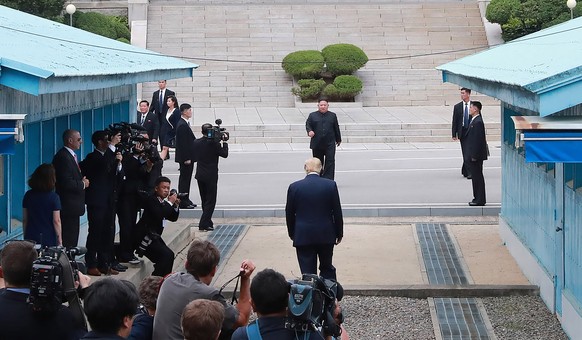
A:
x: 544, y: 68
x: 39, y: 48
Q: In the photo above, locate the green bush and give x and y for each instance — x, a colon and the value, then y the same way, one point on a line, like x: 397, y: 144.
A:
x: 108, y: 26
x: 308, y: 88
x: 303, y: 64
x: 343, y: 59
x: 343, y: 87
x: 500, y: 11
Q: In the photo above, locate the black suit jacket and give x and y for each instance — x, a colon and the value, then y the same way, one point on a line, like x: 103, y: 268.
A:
x: 184, y: 142
x: 326, y: 129
x: 152, y: 219
x: 151, y: 124
x: 101, y: 171
x: 313, y: 211
x: 475, y: 140
x: 154, y: 107
x: 207, y: 152
x: 17, y: 320
x: 69, y: 184
x: 457, y: 126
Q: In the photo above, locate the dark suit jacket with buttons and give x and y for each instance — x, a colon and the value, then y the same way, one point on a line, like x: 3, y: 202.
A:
x: 156, y: 102
x: 313, y: 212
x: 457, y: 126
x: 101, y: 171
x: 151, y: 124
x: 184, y: 142
x: 326, y: 129
x: 207, y: 152
x: 69, y: 184
x: 476, y: 140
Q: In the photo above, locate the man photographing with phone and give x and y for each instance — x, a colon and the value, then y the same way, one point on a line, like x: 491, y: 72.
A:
x: 158, y: 207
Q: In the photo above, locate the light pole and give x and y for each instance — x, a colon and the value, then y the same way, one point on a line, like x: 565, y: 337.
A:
x: 71, y: 9
x: 571, y: 4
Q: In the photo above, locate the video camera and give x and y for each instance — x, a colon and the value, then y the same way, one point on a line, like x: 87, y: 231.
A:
x: 53, y: 278
x: 218, y: 133
x: 131, y: 137
x: 312, y: 300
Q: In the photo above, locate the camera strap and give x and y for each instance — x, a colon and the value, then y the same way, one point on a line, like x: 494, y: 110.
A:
x: 71, y: 291
x: 237, y: 278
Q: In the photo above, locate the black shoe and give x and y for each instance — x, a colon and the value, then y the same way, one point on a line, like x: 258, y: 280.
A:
x: 469, y: 177
x: 119, y: 267
x: 188, y: 206
x: 134, y: 260
x: 476, y: 204
x: 206, y: 229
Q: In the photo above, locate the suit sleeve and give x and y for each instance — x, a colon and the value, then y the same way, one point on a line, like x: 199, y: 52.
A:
x: 308, y: 124
x: 455, y: 124
x: 65, y: 175
x: 338, y: 136
x: 154, y: 102
x: 156, y: 122
x: 290, y: 213
x: 222, y: 149
x: 338, y: 219
x: 182, y: 143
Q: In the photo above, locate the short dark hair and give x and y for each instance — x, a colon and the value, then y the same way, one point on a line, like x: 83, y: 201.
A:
x: 205, y: 127
x: 144, y: 101
x: 466, y: 90
x: 161, y: 179
x: 323, y: 99
x: 99, y: 135
x: 148, y: 291
x: 269, y: 292
x: 107, y: 302
x: 202, y: 258
x: 185, y: 107
x: 202, y: 319
x: 43, y: 178
x: 477, y: 105
x: 16, y: 260
x: 68, y: 133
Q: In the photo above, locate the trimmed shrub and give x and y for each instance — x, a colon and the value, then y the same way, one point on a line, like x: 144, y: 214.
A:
x: 303, y: 64
x: 341, y: 59
x: 500, y: 11
x: 308, y: 88
x: 108, y: 26
x: 344, y: 87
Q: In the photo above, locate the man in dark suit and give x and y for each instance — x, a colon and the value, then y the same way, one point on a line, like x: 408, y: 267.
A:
x: 159, y: 100
x: 147, y: 236
x: 314, y: 220
x: 323, y: 129
x: 185, y: 155
x: 461, y: 118
x: 476, y: 152
x: 101, y: 168
x: 207, y: 151
x: 149, y: 120
x: 70, y: 186
x: 17, y: 319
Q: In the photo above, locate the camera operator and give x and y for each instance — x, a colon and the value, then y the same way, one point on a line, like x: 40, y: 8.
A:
x: 269, y: 299
x: 17, y: 319
x: 158, y: 207
x: 207, y: 150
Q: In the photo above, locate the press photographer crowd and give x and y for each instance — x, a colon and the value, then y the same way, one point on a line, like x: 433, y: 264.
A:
x: 45, y: 279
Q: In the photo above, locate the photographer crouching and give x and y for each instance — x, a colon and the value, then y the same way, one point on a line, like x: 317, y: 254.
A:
x: 162, y: 205
x: 20, y: 320
x: 207, y: 150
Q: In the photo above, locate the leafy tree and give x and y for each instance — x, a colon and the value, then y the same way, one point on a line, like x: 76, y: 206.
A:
x: 49, y: 9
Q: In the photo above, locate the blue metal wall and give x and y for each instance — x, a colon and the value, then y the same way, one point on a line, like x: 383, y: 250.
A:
x: 42, y: 140
x: 573, y: 246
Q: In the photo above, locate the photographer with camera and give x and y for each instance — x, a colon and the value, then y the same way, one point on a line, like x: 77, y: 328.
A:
x: 185, y: 155
x: 207, y: 149
x: 162, y: 205
x: 270, y: 300
x: 18, y: 320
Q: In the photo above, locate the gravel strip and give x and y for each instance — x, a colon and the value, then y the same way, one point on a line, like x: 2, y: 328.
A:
x: 372, y: 317
x: 522, y: 317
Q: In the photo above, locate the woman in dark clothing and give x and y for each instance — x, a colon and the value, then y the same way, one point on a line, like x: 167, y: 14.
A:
x: 143, y: 323
x: 168, y: 130
x: 41, y: 208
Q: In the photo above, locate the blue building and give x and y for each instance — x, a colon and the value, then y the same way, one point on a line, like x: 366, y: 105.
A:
x: 54, y: 77
x: 538, y: 79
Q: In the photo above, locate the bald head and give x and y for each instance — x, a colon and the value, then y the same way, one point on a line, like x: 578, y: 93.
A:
x: 312, y: 165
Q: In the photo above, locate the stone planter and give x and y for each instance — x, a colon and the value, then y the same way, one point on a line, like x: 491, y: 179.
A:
x: 335, y: 104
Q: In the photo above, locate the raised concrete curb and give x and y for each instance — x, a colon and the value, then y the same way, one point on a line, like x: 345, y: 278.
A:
x: 425, y: 291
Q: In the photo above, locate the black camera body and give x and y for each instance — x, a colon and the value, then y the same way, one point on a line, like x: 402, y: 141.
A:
x: 131, y: 137
x: 181, y: 195
x: 312, y: 300
x: 52, y: 280
x: 218, y: 133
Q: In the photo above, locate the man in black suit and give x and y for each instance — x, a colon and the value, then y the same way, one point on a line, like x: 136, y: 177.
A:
x: 101, y: 168
x: 17, y: 319
x: 70, y: 186
x: 147, y: 236
x: 314, y: 220
x: 461, y: 118
x: 149, y: 120
x: 323, y: 129
x: 159, y: 100
x: 185, y: 155
x: 476, y: 152
x: 207, y: 151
